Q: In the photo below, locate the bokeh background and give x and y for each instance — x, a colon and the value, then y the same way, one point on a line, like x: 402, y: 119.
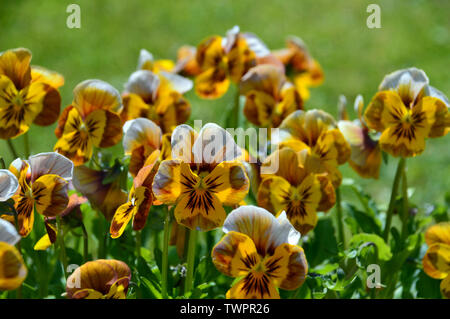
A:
x: 354, y: 57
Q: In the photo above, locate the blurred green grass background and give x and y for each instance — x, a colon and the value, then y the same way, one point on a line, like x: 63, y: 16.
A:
x: 354, y: 57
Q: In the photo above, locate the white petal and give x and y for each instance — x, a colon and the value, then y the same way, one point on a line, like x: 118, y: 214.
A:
x: 8, y: 184
x: 143, y: 83
x: 287, y: 228
x: 215, y: 145
x: 144, y: 57
x: 8, y: 233
x: 256, y: 45
x: 178, y: 82
x: 50, y: 163
x: 141, y: 131
x: 182, y: 141
x: 432, y: 91
x: 412, y: 79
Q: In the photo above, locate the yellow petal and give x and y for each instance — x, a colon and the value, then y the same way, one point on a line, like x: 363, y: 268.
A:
x: 12, y: 268
x: 439, y: 233
x: 50, y: 195
x: 445, y: 287
x: 91, y: 95
x: 15, y: 64
x: 235, y: 254
x: 212, y: 83
x: 121, y: 219
x: 436, y: 262
x: 253, y: 286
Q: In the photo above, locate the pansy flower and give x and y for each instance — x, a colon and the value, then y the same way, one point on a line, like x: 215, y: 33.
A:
x: 436, y: 262
x: 12, y: 268
x: 318, y: 133
x: 147, y: 62
x: 306, y: 71
x: 295, y: 189
x: 202, y: 176
x: 221, y: 59
x: 91, y: 120
x: 269, y: 98
x: 27, y: 95
x: 142, y: 137
x: 43, y: 181
x: 140, y: 199
x: 406, y: 111
x: 186, y: 61
x: 68, y: 215
x: 105, y: 196
x: 158, y: 97
x: 99, y: 279
x: 365, y: 156
x: 262, y: 252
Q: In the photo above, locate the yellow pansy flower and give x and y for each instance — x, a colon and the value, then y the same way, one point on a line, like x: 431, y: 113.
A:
x: 147, y: 62
x: 269, y: 98
x: 99, y: 279
x: 295, y: 189
x: 221, y: 59
x: 436, y: 262
x: 43, y: 181
x: 27, y: 94
x: 318, y: 133
x: 106, y: 197
x: 202, y: 176
x: 140, y: 199
x: 142, y: 137
x: 306, y: 71
x: 406, y: 111
x: 91, y: 121
x: 262, y: 252
x: 158, y: 97
x: 12, y: 268
x: 365, y: 156
x: 186, y: 61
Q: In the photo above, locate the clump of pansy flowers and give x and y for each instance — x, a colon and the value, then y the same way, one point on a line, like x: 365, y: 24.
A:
x: 169, y: 164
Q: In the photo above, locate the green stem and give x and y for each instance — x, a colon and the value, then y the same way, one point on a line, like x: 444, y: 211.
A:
x: 340, y: 219
x: 138, y: 244
x: 26, y: 142
x: 12, y: 149
x: 85, y: 243
x: 165, y: 256
x: 62, y: 247
x: 405, y: 207
x: 236, y: 109
x: 190, y: 261
x: 390, y: 211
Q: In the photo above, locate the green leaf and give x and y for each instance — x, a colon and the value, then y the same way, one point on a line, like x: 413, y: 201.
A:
x: 428, y: 287
x: 384, y: 251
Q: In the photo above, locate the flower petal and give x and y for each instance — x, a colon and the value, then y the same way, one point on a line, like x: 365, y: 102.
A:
x: 91, y: 95
x: 439, y: 233
x: 121, y: 219
x: 8, y: 184
x: 212, y: 83
x: 12, y: 268
x: 50, y: 195
x: 436, y: 262
x: 15, y: 64
x: 8, y: 233
x: 50, y: 163
x: 143, y: 83
x: 235, y: 254
x: 253, y: 286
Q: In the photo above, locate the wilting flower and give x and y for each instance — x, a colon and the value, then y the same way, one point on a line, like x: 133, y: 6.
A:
x: 158, y: 97
x: 105, y: 196
x: 27, y: 94
x: 317, y: 132
x: 8, y: 184
x: 68, y: 215
x: 202, y: 176
x: 91, y: 121
x: 142, y: 137
x: 43, y: 181
x: 269, y: 97
x: 147, y: 62
x: 305, y: 70
x: 222, y: 59
x: 295, y: 189
x: 139, y: 200
x: 261, y: 250
x: 12, y: 268
x: 406, y: 110
x: 365, y: 156
x: 436, y: 262
x: 99, y: 279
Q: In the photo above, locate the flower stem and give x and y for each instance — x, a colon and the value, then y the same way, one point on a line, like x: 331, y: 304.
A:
x: 236, y: 109
x: 62, y: 248
x: 26, y: 142
x: 190, y: 261
x: 12, y: 149
x: 390, y: 211
x: 339, y: 218
x: 165, y: 256
x: 85, y: 243
x: 405, y: 207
